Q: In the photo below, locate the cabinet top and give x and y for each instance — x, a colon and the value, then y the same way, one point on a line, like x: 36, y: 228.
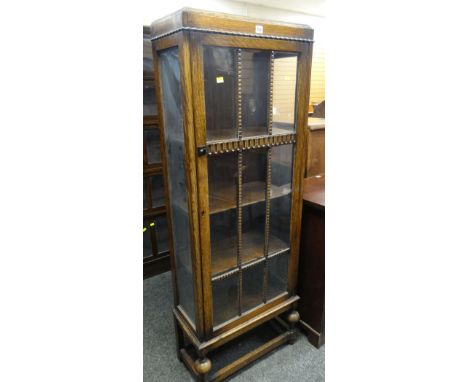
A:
x: 204, y: 21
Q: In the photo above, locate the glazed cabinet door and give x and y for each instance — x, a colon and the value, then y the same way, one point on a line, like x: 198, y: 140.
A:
x: 249, y: 97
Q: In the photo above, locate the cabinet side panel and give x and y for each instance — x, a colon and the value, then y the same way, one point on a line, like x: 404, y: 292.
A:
x: 302, y: 101
x: 174, y: 143
x: 198, y: 98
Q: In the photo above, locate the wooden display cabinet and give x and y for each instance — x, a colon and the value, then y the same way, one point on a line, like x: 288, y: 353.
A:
x: 155, y: 231
x: 233, y: 95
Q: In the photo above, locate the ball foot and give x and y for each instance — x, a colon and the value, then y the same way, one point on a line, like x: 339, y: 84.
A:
x: 203, y: 365
x: 293, y: 317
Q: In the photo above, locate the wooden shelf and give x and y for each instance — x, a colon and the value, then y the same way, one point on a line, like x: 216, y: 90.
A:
x: 222, y: 135
x: 152, y: 169
x: 224, y: 252
x: 221, y: 199
x: 154, y: 211
x: 151, y: 121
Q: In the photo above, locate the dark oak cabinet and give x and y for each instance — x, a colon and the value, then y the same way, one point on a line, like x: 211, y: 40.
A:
x: 155, y: 230
x: 311, y: 283
x: 232, y: 95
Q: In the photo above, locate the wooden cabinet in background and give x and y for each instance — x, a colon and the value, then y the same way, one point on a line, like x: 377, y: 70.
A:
x: 155, y: 229
x: 311, y: 283
x: 316, y: 147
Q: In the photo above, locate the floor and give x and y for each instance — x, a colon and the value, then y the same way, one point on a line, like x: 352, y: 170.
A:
x: 300, y: 362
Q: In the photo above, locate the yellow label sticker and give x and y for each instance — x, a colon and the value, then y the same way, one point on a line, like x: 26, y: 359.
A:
x: 152, y: 224
x: 220, y: 80
x: 144, y: 229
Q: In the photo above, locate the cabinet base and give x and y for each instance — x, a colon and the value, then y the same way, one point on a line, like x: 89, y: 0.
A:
x: 244, y: 349
x: 222, y: 355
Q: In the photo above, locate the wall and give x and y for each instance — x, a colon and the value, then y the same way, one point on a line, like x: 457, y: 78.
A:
x: 284, y: 86
x: 317, y: 80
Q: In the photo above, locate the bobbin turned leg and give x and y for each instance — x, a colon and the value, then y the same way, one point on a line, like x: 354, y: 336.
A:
x: 293, y: 318
x: 179, y: 338
x: 203, y: 367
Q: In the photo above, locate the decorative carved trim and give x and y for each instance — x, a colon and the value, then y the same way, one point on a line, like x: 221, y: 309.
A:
x: 216, y: 31
x: 215, y: 148
x: 239, y: 178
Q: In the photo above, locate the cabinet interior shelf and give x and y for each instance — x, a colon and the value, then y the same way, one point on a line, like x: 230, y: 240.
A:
x: 224, y: 252
x: 252, y: 192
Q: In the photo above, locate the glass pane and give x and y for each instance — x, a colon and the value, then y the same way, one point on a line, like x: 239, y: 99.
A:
x: 281, y: 169
x: 157, y: 191
x: 277, y: 275
x: 149, y: 99
x: 162, y: 234
x: 174, y: 135
x: 252, y: 286
x: 255, y: 91
x: 280, y: 202
x: 153, y: 146
x: 147, y: 246
x: 147, y: 58
x: 220, y: 93
x: 223, y: 234
x: 280, y: 214
x: 225, y: 299
x: 253, y: 232
x: 254, y: 166
x: 144, y: 194
x: 222, y: 182
x: 284, y: 92
x: 254, y: 175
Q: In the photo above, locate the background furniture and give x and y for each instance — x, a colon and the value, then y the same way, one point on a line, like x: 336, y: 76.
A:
x: 233, y: 95
x: 316, y: 147
x: 155, y: 232
x: 318, y: 110
x: 311, y: 283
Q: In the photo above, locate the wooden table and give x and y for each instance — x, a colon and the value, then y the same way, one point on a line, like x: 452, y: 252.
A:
x: 311, y: 283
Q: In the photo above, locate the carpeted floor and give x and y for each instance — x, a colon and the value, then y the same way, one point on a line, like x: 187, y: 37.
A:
x: 300, y: 362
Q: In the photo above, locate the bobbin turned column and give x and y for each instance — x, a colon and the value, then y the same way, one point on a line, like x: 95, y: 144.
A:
x: 293, y: 318
x: 179, y: 338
